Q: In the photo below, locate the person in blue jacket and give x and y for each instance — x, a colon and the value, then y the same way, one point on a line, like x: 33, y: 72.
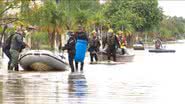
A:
x: 81, y: 36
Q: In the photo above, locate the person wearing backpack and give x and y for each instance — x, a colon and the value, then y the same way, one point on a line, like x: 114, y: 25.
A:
x: 94, y: 45
x: 6, y: 48
x: 16, y: 47
x: 112, y: 44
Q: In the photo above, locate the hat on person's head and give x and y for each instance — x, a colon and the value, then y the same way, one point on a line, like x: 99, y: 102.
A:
x: 93, y: 31
x: 110, y: 31
x: 18, y: 29
x: 120, y: 32
x: 80, y: 27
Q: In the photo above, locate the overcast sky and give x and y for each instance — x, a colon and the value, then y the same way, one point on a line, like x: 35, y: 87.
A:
x: 173, y: 7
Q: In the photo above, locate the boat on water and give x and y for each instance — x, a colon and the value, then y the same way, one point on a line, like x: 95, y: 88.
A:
x: 138, y: 47
x: 42, y: 60
x: 161, y: 50
x: 102, y: 56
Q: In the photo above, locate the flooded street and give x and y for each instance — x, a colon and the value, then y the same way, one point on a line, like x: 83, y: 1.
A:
x: 152, y: 78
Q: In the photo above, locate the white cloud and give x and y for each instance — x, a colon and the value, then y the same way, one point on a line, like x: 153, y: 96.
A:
x: 173, y: 8
x: 102, y: 1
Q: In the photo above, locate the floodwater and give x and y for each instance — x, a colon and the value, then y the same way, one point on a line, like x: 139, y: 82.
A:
x: 152, y: 78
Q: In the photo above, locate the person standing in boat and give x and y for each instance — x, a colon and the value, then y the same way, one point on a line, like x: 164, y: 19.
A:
x: 16, y: 47
x: 158, y: 43
x: 70, y: 47
x: 81, y: 46
x: 94, y: 45
x: 123, y: 42
x: 112, y: 44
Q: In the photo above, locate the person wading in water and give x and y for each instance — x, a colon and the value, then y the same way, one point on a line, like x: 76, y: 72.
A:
x: 70, y: 46
x: 81, y: 46
x: 16, y: 47
x: 94, y: 45
x: 112, y: 44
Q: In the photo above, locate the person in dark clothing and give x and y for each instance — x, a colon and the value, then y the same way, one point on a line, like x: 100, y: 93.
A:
x: 70, y: 46
x: 6, y: 48
x: 112, y: 44
x: 94, y: 45
x: 16, y: 47
x: 158, y: 44
x: 80, y: 35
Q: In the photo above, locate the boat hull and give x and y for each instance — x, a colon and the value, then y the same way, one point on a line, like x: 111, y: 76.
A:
x: 102, y: 56
x: 138, y: 47
x: 42, y: 61
x: 162, y: 50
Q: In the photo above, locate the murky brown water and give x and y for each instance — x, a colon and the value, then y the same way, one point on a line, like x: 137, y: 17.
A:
x: 150, y: 79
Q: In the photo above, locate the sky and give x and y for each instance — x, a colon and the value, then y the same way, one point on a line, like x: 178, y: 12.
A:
x: 170, y: 7
x: 173, y: 7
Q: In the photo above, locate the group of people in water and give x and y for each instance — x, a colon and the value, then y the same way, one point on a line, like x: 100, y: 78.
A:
x: 70, y: 46
x: 76, y: 47
x: 110, y: 43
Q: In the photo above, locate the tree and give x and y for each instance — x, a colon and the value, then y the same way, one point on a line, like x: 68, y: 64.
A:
x: 6, y: 18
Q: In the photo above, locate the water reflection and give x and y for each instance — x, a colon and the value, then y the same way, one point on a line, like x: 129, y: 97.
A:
x: 13, y: 90
x: 77, y: 88
x: 1, y: 63
x: 1, y: 92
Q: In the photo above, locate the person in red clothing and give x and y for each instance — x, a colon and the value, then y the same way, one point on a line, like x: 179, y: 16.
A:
x: 158, y: 44
x: 122, y: 42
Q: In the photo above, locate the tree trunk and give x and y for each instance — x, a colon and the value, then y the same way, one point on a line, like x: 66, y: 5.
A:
x: 58, y: 40
x: 53, y: 39
x: 2, y: 35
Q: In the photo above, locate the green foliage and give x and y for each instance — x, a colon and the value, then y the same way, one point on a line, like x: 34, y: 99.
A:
x: 40, y: 37
x: 172, y: 27
x: 128, y: 15
x: 136, y: 15
x: 149, y: 12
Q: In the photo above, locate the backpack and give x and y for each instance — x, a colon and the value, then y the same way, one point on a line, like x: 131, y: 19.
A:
x: 7, y: 43
x: 111, y: 39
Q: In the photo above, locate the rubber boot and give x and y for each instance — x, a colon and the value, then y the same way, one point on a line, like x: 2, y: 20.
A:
x: 9, y: 66
x: 17, y: 68
x: 81, y: 68
x: 76, y: 65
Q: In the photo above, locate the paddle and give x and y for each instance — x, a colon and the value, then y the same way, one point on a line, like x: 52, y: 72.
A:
x: 163, y: 47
